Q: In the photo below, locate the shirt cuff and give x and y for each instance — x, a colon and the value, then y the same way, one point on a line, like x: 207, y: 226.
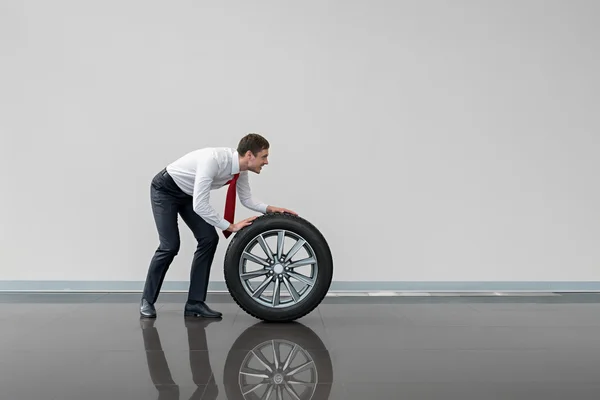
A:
x: 223, y: 225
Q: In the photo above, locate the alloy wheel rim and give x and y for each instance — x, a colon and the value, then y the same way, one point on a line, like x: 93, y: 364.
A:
x: 278, y: 370
x: 270, y: 272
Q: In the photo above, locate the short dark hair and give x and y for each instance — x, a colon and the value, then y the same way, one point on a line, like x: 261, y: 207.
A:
x: 253, y: 142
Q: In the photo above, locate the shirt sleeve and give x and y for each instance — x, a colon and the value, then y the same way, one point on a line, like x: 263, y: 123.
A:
x: 245, y: 194
x: 206, y: 170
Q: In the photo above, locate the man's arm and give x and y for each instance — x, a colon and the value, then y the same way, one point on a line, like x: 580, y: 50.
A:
x: 205, y: 173
x: 245, y: 194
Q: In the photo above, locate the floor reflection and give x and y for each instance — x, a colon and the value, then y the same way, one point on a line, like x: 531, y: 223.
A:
x: 266, y: 361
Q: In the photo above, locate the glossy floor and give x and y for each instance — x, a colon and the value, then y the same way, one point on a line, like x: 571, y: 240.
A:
x: 94, y: 346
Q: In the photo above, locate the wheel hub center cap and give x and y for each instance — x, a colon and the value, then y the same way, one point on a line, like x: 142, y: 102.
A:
x: 278, y: 269
x: 278, y: 379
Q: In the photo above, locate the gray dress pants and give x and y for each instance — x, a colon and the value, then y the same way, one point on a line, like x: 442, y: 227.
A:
x: 169, y: 201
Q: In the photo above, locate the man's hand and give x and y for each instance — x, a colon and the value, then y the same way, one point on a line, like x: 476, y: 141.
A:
x: 241, y: 224
x: 273, y: 209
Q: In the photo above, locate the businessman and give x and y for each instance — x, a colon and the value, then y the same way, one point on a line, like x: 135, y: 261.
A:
x: 183, y: 188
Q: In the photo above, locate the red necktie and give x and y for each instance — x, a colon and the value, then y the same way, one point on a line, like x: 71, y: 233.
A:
x: 230, y: 202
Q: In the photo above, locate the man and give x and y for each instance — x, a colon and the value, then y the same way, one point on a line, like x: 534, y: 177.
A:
x: 183, y: 188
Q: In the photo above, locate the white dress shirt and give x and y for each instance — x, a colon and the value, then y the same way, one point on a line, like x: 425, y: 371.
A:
x: 203, y: 170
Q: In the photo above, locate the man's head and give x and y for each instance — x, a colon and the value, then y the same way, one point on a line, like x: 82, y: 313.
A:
x: 253, y: 151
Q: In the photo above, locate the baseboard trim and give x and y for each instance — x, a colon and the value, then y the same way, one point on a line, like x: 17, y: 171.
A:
x: 337, y: 286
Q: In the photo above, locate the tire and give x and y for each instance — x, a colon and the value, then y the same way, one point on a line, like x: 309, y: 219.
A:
x: 300, y: 294
x: 308, y: 350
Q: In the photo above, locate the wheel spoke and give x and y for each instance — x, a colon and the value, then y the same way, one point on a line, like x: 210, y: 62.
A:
x: 291, y: 289
x: 297, y: 246
x: 254, y: 274
x: 259, y: 290
x: 255, y: 388
x: 263, y: 360
x: 252, y: 257
x: 280, y: 242
x: 302, y: 278
x: 276, y: 293
x: 295, y: 382
x: 263, y: 244
x: 300, y: 368
x: 300, y: 263
x: 291, y: 391
x: 276, y: 353
x: 290, y: 357
x: 279, y: 391
x: 267, y: 394
x: 254, y: 373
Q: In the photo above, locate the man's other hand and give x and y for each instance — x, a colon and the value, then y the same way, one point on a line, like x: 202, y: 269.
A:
x: 241, y: 224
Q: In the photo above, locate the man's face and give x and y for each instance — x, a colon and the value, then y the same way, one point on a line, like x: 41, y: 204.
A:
x: 255, y: 164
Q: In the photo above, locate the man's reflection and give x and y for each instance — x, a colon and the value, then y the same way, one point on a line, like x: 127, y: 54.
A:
x: 199, y: 361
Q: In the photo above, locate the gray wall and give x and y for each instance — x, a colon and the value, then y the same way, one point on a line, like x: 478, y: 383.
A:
x: 462, y: 136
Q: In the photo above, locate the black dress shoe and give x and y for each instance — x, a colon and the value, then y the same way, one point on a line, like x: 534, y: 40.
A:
x: 147, y: 309
x: 200, y: 309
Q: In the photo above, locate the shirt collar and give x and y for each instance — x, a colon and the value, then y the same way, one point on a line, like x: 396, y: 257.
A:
x: 235, y: 163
